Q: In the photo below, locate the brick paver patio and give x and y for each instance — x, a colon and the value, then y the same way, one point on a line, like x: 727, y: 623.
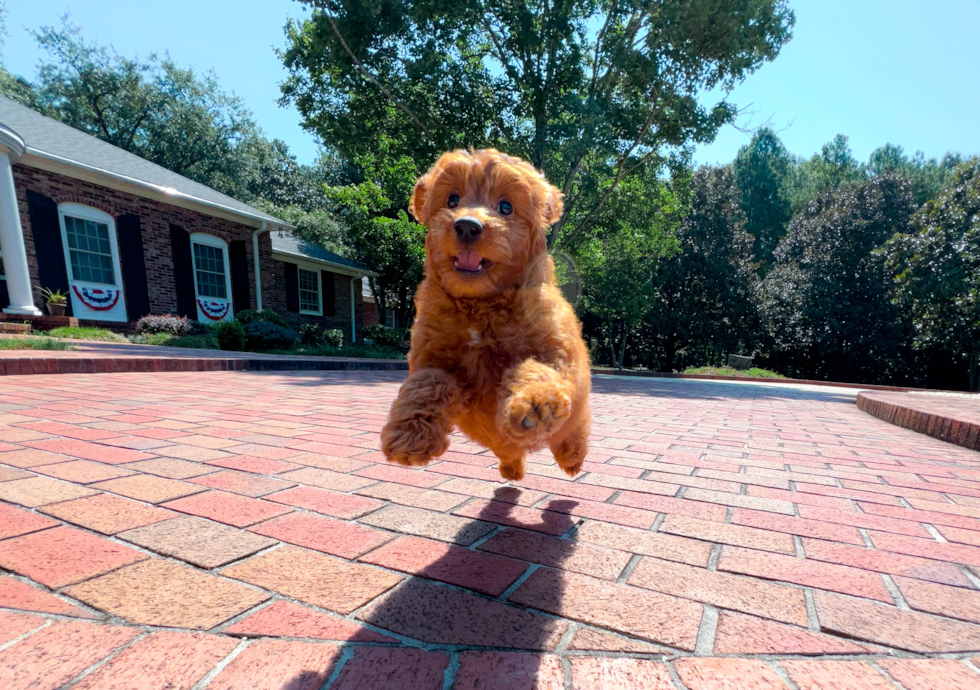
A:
x: 241, y: 530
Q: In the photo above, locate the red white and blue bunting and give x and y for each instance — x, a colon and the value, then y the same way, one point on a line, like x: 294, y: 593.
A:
x: 214, y: 310
x: 97, y: 299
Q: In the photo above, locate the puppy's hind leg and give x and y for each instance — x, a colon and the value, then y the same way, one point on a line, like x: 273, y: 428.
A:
x: 570, y: 452
x: 511, y: 465
x: 420, y: 420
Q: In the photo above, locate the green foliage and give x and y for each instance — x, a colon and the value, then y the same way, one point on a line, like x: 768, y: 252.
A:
x: 53, y: 296
x: 333, y: 337
x: 761, y: 169
x: 86, y: 333
x: 34, y: 344
x: 937, y: 269
x: 753, y: 372
x: 589, y: 92
x: 266, y: 335
x: 826, y: 300
x: 200, y: 342
x: 165, y: 323
x: 309, y: 333
x: 834, y: 166
x: 928, y: 177
x: 705, y: 295
x: 247, y: 316
x: 379, y: 232
x: 382, y: 336
x: 230, y: 335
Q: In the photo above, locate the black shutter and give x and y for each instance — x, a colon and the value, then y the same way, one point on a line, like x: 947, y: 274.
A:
x: 238, y: 258
x: 292, y: 287
x: 329, y: 295
x: 4, y: 297
x: 130, y: 236
x: 51, y: 270
x: 180, y: 247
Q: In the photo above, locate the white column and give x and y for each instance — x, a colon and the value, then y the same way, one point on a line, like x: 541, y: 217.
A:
x: 12, y: 244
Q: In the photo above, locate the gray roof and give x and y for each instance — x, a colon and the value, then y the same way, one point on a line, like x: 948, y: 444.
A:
x: 53, y: 140
x: 287, y: 243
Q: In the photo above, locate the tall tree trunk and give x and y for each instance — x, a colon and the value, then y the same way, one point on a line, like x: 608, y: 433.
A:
x: 670, y: 348
x: 975, y: 368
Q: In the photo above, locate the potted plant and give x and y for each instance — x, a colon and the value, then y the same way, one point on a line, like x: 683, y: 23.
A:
x: 55, y: 300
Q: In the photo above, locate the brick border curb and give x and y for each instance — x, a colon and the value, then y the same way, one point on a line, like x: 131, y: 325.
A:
x: 948, y: 429
x: 753, y: 379
x: 115, y: 365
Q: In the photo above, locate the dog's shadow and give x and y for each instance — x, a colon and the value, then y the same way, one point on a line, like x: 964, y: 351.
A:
x: 452, y: 618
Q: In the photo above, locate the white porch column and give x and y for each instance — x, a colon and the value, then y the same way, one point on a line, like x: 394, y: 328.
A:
x: 11, y: 234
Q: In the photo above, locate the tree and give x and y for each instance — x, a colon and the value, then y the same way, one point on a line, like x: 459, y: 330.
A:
x: 937, y: 269
x: 590, y: 92
x: 761, y: 169
x: 827, y: 299
x: 619, y: 261
x: 378, y: 231
x: 928, y: 177
x: 705, y: 296
x: 834, y: 166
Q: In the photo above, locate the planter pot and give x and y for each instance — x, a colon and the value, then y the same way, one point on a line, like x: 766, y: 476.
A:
x: 56, y: 309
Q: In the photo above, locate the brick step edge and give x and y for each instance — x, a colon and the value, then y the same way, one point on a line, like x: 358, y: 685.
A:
x: 948, y: 429
x: 116, y: 365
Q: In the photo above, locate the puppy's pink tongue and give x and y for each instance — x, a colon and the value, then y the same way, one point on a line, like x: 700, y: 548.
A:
x: 469, y: 261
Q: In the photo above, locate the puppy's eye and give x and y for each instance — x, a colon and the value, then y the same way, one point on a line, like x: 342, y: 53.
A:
x: 453, y: 201
x: 505, y: 208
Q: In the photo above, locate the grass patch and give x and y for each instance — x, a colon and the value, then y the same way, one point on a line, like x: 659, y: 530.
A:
x: 754, y: 372
x: 34, y: 344
x: 86, y: 333
x: 355, y: 351
x: 203, y: 342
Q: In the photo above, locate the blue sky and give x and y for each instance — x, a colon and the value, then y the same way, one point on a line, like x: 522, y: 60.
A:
x: 900, y: 71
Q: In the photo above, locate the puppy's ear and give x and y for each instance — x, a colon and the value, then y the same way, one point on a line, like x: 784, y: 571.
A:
x: 417, y: 204
x: 553, y: 206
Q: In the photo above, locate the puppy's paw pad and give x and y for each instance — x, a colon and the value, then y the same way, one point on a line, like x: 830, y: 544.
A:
x: 536, y: 413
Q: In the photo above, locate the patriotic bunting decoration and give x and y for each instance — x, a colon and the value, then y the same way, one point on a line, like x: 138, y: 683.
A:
x: 98, y: 299
x: 214, y: 310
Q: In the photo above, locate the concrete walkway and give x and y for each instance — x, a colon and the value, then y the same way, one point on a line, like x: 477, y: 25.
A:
x: 241, y: 530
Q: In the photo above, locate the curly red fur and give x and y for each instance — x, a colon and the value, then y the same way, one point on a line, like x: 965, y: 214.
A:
x: 496, y: 352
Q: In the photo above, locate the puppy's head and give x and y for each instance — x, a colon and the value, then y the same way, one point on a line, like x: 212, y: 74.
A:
x: 488, y: 215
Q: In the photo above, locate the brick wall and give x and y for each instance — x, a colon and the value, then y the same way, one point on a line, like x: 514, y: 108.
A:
x: 155, y: 220
x: 341, y: 289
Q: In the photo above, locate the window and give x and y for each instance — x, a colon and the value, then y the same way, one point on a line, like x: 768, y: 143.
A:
x: 209, y: 269
x: 390, y: 320
x: 309, y: 291
x: 89, y: 251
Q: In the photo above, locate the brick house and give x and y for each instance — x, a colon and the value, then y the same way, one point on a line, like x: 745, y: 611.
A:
x: 125, y: 237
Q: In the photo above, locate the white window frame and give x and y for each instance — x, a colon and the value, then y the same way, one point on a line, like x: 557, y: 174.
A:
x: 319, y: 288
x: 83, y: 212
x: 211, y: 241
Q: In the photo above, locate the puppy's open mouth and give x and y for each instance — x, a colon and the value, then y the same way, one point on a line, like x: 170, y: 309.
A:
x: 471, y: 263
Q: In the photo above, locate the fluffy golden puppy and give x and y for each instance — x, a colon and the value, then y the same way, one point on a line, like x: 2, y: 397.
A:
x: 496, y: 349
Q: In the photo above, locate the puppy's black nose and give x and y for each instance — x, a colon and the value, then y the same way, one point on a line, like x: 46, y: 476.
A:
x: 468, y: 229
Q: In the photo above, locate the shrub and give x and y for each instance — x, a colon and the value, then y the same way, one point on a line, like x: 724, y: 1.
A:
x: 195, y: 327
x: 164, y: 323
x: 333, y: 338
x: 309, y: 333
x: 203, y: 342
x: 385, y: 337
x: 230, y: 335
x: 247, y: 316
x: 265, y: 335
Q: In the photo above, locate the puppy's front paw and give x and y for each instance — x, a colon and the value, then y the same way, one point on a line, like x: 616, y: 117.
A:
x: 413, y: 440
x: 535, y: 411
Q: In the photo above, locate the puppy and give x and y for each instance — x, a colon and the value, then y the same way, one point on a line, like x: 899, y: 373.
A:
x: 496, y: 350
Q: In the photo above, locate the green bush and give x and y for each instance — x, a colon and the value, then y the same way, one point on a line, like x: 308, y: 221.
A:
x: 230, y: 335
x: 333, y: 338
x: 202, y: 342
x: 164, y: 323
x: 383, y: 336
x: 265, y: 335
x: 309, y: 333
x: 247, y: 316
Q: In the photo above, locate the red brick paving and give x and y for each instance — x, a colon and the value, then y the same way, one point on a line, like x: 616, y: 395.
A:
x: 758, y: 528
